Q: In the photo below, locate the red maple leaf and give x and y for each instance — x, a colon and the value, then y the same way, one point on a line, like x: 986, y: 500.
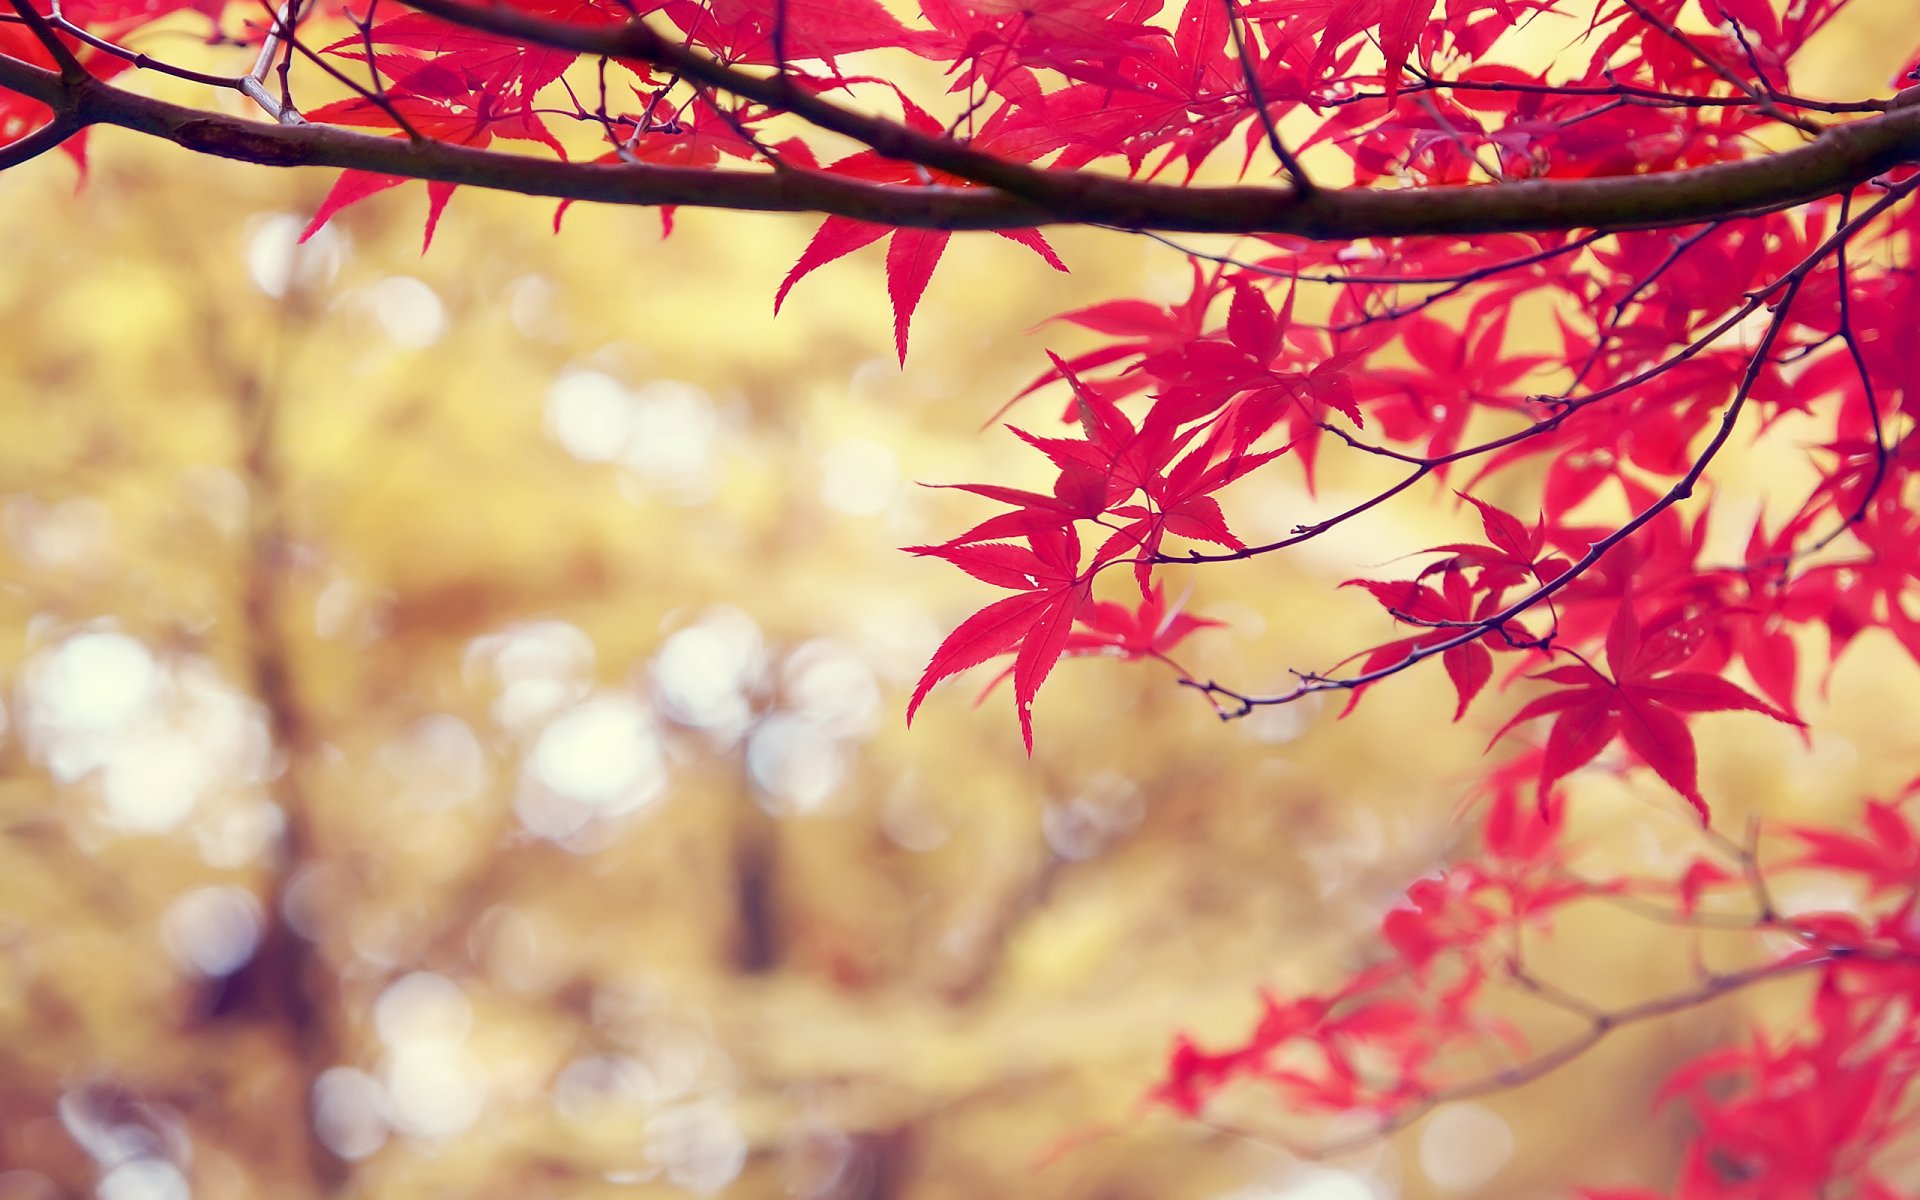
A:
x: 1457, y: 604
x: 1886, y: 854
x: 1513, y: 556
x: 1034, y: 623
x: 912, y: 254
x: 1148, y: 630
x: 1641, y: 703
x: 437, y: 101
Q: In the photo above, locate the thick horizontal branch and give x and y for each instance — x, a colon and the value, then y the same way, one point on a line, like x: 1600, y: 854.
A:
x: 1842, y: 158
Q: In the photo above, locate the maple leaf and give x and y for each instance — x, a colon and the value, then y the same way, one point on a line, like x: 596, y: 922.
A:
x: 1267, y: 373
x: 1150, y: 629
x: 1803, y: 1112
x: 435, y: 101
x: 913, y: 253
x: 743, y: 30
x: 1147, y: 329
x: 1513, y: 556
x: 1517, y: 832
x: 1034, y: 624
x: 1002, y: 42
x: 1886, y: 854
x: 497, y: 64
x: 1398, y: 23
x: 1642, y: 703
x: 1457, y: 604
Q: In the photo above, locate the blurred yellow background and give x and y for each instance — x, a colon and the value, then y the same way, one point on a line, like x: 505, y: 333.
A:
x: 461, y: 695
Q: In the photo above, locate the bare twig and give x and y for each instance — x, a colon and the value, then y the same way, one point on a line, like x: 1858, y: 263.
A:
x: 71, y: 72
x: 1254, y: 93
x: 50, y: 136
x: 253, y: 83
x: 1762, y: 99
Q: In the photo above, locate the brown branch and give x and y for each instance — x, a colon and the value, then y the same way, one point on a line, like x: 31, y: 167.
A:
x: 253, y: 83
x: 1251, y: 76
x: 1631, y: 93
x: 138, y: 60
x: 1881, y: 453
x: 50, y: 136
x: 43, y: 32
x: 1599, y: 1027
x: 1842, y: 158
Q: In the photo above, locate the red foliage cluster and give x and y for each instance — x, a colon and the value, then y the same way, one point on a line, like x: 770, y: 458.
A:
x: 1773, y: 1118
x: 1743, y: 258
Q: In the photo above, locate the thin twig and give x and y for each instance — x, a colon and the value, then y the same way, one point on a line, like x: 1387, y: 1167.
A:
x: 253, y: 83
x: 50, y: 136
x: 43, y: 32
x: 1683, y: 488
x: 138, y: 60
x: 1760, y: 96
x: 1295, y: 171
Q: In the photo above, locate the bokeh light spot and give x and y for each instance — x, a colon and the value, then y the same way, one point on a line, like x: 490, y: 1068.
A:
x: 408, y: 310
x: 439, y: 762
x: 93, y: 682
x: 796, y: 762
x: 434, y: 1090
x: 698, y: 1145
x: 144, y: 1179
x: 601, y: 753
x: 350, y: 1112
x: 277, y: 259
x: 833, y: 687
x: 673, y: 444
x: 1463, y: 1146
x: 74, y: 534
x: 212, y: 930
x: 590, y: 415
x: 1106, y: 809
x: 539, y: 667
x: 422, y: 1007
x: 858, y: 477
x: 703, y: 673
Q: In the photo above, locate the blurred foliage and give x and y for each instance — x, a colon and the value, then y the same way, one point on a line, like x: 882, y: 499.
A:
x: 453, y: 739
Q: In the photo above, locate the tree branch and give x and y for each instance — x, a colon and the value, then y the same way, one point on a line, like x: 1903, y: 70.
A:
x: 1842, y: 158
x: 50, y: 136
x: 1258, y: 99
x: 1600, y: 1027
x: 71, y: 71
